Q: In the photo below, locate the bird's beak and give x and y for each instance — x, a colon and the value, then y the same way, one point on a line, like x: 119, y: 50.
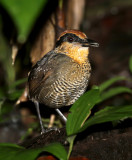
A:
x: 89, y: 43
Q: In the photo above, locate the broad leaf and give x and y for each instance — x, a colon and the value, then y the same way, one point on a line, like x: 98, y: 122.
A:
x: 57, y: 150
x: 23, y: 14
x: 109, y: 114
x: 81, y: 110
x: 109, y: 82
x: 113, y: 92
x: 15, y: 152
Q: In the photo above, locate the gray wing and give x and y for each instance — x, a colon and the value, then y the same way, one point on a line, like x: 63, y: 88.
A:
x: 45, y: 72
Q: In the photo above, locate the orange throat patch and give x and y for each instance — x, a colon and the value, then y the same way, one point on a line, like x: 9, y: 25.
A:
x: 78, y: 53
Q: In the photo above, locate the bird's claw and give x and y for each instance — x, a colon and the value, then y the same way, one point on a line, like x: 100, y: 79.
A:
x: 50, y: 129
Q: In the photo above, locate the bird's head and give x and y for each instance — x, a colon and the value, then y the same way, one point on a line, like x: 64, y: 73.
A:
x: 75, y: 44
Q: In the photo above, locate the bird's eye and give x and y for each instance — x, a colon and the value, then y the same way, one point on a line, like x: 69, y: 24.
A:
x: 70, y: 39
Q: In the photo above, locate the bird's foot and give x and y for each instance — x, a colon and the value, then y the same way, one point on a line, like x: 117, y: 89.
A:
x: 43, y: 131
x: 50, y: 129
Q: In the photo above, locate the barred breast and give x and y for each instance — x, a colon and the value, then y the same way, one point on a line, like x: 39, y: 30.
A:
x: 59, y: 81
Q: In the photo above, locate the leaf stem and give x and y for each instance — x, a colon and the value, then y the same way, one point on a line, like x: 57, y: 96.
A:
x: 71, y: 141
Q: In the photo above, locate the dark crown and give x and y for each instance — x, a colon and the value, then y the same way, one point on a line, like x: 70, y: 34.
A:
x: 69, y: 37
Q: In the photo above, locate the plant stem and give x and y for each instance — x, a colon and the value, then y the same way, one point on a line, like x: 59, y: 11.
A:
x: 71, y: 141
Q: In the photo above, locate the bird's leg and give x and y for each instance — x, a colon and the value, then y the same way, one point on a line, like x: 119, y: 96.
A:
x: 40, y: 119
x: 61, y: 115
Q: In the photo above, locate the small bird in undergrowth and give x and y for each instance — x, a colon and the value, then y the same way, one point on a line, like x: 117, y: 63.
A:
x: 62, y: 75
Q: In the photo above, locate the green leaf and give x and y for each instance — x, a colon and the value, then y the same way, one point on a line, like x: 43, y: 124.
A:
x: 109, y: 82
x: 17, y: 83
x: 15, y: 152
x: 57, y: 150
x: 109, y: 114
x: 113, y: 92
x: 81, y: 110
x: 13, y: 95
x: 24, y: 14
x: 70, y: 139
x: 9, y: 151
x: 130, y: 63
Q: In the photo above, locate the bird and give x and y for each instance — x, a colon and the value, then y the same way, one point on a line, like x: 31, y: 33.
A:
x: 61, y: 76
